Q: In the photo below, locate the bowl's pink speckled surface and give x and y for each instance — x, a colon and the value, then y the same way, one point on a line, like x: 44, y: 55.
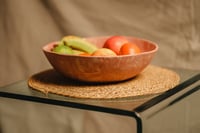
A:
x: 102, y: 69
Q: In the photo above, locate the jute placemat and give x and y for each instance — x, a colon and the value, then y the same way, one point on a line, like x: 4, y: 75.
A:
x: 152, y: 80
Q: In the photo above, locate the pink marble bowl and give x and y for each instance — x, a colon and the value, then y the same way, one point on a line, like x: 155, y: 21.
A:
x: 99, y: 68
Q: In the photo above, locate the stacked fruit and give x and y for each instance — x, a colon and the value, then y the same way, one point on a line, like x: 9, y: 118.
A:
x: 114, y: 45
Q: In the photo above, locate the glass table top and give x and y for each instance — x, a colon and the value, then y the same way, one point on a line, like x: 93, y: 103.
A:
x: 20, y: 90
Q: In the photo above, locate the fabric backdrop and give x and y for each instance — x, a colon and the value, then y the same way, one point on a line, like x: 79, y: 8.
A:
x: 25, y: 26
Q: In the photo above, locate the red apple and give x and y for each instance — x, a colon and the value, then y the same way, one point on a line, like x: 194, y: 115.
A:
x: 114, y: 43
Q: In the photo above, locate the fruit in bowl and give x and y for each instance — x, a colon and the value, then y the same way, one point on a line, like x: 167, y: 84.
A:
x: 92, y: 60
x: 115, y: 43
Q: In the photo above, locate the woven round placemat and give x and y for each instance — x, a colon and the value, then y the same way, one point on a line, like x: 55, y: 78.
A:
x: 152, y: 80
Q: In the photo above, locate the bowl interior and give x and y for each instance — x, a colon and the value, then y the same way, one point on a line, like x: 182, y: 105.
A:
x: 144, y: 45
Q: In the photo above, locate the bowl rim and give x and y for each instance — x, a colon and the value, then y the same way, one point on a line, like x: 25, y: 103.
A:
x: 45, y: 49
